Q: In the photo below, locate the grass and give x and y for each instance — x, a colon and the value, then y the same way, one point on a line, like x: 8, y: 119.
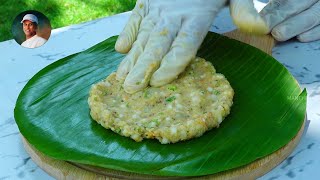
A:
x: 60, y: 12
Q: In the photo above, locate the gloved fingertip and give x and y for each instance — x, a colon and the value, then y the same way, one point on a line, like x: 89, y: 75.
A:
x: 133, y: 87
x: 155, y: 82
x: 309, y: 36
x: 278, y: 35
x: 120, y: 76
x: 158, y: 80
x: 123, y: 70
x: 307, y: 39
x: 122, y: 44
x: 301, y: 39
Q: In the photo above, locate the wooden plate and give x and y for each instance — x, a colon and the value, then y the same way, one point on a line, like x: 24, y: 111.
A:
x: 68, y: 170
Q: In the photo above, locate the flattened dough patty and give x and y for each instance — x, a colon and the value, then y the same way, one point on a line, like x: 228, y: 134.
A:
x: 186, y: 108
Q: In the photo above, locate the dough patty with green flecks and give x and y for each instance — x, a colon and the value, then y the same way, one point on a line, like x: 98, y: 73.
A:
x: 186, y: 108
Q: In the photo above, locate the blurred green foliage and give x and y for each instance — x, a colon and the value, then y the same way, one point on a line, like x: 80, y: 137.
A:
x: 60, y: 12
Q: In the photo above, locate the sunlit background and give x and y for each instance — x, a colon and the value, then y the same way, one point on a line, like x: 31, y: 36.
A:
x: 60, y: 12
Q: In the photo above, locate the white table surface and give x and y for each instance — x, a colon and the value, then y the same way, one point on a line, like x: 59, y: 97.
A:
x: 18, y: 65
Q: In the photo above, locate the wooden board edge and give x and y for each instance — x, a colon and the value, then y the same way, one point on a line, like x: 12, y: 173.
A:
x: 64, y: 170
x: 262, y: 42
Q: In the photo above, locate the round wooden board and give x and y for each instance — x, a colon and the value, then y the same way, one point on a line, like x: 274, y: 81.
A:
x: 66, y: 170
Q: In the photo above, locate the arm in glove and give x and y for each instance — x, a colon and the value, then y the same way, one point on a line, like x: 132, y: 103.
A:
x: 284, y: 19
x: 161, y: 38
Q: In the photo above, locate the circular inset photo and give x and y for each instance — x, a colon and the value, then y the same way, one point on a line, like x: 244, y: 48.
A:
x: 31, y: 29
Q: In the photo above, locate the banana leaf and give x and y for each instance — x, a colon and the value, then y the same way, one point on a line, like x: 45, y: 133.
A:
x: 269, y: 108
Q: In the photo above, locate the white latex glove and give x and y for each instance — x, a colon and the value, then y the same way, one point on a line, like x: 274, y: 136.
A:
x: 162, y: 37
x: 246, y: 17
x: 292, y: 18
x: 285, y: 19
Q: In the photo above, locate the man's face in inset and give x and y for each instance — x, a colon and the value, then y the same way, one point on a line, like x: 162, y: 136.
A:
x: 29, y: 28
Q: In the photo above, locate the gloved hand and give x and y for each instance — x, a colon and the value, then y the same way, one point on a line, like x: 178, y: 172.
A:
x: 285, y: 19
x: 162, y: 37
x: 292, y: 18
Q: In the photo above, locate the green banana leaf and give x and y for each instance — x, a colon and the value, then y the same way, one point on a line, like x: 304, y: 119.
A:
x: 269, y: 108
